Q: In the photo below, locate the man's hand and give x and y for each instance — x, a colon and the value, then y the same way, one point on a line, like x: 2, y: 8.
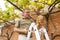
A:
x: 23, y: 31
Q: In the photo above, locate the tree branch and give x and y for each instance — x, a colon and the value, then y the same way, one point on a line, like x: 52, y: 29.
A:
x: 47, y: 21
x: 56, y: 2
x: 51, y: 13
x: 51, y: 4
x: 15, y: 5
x: 55, y: 12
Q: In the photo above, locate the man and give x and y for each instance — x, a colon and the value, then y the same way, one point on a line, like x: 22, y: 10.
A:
x: 21, y: 30
x: 25, y: 22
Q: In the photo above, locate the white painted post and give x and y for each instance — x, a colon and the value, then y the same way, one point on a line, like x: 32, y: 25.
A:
x: 1, y: 28
x: 35, y: 30
x: 36, y: 33
x: 45, y: 33
x: 30, y: 30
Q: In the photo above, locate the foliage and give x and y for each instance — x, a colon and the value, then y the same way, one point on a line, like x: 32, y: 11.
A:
x: 24, y: 3
x: 9, y: 13
x: 32, y: 4
x: 59, y: 5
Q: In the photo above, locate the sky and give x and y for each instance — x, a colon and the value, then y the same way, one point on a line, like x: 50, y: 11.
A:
x: 2, y: 5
